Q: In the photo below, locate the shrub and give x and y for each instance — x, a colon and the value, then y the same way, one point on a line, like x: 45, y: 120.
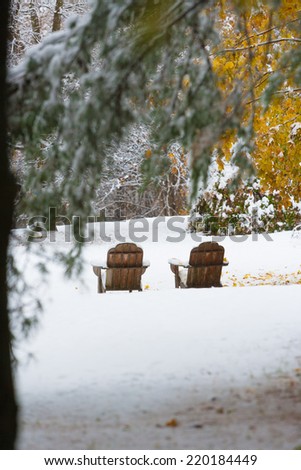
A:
x: 223, y: 210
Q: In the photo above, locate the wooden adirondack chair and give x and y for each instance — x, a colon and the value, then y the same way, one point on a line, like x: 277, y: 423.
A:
x: 204, y: 268
x: 124, y: 268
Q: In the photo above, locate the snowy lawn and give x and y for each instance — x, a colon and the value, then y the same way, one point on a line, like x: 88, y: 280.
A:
x: 166, y: 368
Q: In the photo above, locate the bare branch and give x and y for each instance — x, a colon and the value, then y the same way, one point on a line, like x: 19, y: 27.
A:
x: 254, y: 46
x: 269, y: 30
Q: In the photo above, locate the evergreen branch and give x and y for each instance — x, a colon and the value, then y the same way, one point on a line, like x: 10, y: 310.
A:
x: 157, y: 37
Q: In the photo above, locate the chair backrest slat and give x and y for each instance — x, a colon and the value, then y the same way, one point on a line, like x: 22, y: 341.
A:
x: 125, y: 263
x: 206, y: 261
x: 125, y: 255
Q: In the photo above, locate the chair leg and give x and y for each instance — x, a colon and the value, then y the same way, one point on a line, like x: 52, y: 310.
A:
x: 101, y: 289
x: 177, y: 277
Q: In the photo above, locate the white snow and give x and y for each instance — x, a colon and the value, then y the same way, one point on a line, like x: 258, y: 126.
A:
x: 295, y: 128
x: 110, y: 370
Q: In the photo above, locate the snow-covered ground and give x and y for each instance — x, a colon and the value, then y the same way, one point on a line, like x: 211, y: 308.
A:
x: 166, y: 368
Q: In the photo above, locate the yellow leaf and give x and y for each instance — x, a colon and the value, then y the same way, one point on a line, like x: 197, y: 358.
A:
x: 173, y: 423
x: 186, y: 82
x: 229, y: 66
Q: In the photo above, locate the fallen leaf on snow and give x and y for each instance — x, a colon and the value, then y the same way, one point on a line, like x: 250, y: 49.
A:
x: 173, y: 423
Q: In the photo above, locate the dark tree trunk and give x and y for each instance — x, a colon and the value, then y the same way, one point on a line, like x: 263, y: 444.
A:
x: 57, y: 17
x: 35, y: 23
x: 8, y: 408
x: 17, y: 45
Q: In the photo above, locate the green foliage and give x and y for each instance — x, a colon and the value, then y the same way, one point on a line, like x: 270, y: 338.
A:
x: 222, y: 211
x: 24, y: 306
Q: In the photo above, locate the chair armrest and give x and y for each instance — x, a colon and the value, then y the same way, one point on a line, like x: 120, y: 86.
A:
x: 177, y: 262
x: 99, y: 264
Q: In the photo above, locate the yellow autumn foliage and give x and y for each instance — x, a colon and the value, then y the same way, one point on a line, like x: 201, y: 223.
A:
x: 254, y: 37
